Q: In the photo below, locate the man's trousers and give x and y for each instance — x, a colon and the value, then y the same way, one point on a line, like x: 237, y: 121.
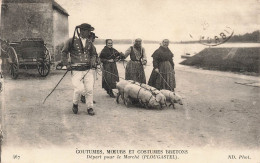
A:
x: 83, y: 82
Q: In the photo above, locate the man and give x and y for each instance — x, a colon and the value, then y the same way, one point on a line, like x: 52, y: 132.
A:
x: 83, y: 61
x: 92, y: 37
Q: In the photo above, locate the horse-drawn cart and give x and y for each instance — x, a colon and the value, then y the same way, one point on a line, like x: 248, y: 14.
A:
x: 30, y: 53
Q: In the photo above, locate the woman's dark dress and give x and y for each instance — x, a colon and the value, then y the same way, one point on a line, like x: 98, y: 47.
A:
x: 163, y: 60
x: 110, y: 72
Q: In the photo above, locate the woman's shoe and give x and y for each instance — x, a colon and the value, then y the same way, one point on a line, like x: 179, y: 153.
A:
x: 75, y: 108
x: 112, y: 94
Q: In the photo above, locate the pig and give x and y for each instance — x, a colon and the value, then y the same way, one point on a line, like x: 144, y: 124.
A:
x: 145, y: 96
x: 171, y: 97
x: 120, y: 86
x: 158, y: 95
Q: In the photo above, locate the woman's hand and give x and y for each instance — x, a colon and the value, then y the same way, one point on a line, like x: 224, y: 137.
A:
x: 110, y: 60
x: 144, y: 62
x: 121, y: 56
x: 156, y: 70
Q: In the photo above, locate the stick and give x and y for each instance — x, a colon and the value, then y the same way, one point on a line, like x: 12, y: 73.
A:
x: 55, y: 86
x: 165, y: 81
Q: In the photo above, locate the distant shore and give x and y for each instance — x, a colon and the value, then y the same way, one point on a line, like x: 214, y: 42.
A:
x: 236, y: 59
x: 253, y: 37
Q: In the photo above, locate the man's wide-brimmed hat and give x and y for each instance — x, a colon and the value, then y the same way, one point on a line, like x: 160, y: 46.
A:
x: 86, y: 26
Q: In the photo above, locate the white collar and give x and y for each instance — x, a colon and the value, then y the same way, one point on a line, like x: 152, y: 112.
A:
x: 83, y: 38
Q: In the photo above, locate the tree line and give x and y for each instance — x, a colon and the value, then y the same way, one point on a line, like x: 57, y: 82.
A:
x: 248, y: 37
x: 253, y: 37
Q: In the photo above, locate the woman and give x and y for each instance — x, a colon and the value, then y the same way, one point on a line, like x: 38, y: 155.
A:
x: 134, y: 68
x: 163, y: 75
x: 108, y: 57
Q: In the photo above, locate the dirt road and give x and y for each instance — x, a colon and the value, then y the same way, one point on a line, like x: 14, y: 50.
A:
x: 217, y: 113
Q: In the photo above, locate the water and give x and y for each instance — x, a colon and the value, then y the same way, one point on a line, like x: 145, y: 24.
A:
x: 177, y: 49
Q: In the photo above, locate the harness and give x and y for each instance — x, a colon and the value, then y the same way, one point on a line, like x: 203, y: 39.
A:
x: 86, y: 66
x: 142, y: 55
x: 138, y: 93
x: 112, y: 55
x: 152, y: 94
x: 151, y: 90
x: 170, y: 96
x: 166, y: 81
x: 77, y: 31
x: 151, y: 98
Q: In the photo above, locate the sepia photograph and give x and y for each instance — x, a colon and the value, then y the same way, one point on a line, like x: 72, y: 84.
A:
x: 171, y: 81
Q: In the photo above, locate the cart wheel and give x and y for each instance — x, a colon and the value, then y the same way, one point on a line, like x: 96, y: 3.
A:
x: 14, y: 70
x: 44, y: 66
x: 43, y: 69
x: 13, y: 62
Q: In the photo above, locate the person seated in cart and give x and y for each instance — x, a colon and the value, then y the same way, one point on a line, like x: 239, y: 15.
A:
x: 84, y: 60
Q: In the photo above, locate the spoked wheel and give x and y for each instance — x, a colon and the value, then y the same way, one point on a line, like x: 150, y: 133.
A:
x: 14, y: 69
x: 43, y: 69
x: 13, y: 63
x: 1, y: 84
x: 45, y: 64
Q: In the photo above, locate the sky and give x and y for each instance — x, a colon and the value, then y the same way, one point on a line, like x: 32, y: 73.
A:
x: 158, y: 19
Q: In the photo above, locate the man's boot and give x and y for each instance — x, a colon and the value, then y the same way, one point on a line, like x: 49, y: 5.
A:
x: 75, y: 108
x: 91, y: 112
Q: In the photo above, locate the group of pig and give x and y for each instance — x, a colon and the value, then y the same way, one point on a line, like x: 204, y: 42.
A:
x: 148, y: 96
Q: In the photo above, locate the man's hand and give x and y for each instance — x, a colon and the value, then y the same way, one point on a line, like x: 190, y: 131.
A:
x: 69, y: 68
x: 156, y: 70
x: 59, y: 66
